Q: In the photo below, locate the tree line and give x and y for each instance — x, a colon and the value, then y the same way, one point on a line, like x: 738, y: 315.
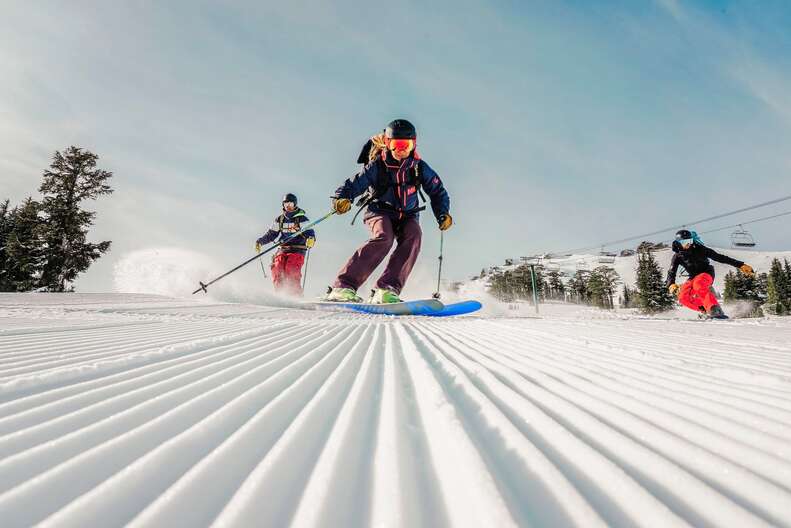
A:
x: 44, y: 242
x: 597, y: 287
x: 770, y: 292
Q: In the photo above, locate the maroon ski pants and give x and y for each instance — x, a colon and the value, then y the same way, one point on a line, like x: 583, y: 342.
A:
x: 384, y: 231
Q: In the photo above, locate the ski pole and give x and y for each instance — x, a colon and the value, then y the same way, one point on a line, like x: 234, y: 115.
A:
x: 439, y: 274
x: 248, y: 261
x: 262, y: 267
x: 305, y: 276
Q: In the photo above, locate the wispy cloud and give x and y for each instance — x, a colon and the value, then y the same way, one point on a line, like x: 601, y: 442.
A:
x: 673, y: 7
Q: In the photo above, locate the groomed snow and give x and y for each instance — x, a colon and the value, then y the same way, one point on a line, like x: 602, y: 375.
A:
x: 144, y: 410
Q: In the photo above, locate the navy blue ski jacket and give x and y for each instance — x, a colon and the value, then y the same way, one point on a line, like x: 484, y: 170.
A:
x: 398, y: 180
x: 284, y: 226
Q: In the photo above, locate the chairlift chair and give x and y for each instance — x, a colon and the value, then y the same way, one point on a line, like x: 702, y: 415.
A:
x: 606, y: 257
x: 741, y: 238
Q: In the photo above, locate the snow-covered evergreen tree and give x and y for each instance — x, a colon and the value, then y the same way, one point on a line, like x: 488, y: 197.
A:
x: 578, y: 286
x: 601, y: 286
x: 779, y: 288
x: 652, y: 295
x: 24, y: 252
x: 628, y: 299
x: 71, y: 179
x: 5, y: 229
x: 555, y: 287
x: 740, y: 287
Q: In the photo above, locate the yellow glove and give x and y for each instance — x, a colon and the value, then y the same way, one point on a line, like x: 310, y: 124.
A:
x: 673, y: 289
x: 341, y: 205
x: 445, y: 221
x: 258, y: 247
x: 309, y: 242
x: 747, y: 270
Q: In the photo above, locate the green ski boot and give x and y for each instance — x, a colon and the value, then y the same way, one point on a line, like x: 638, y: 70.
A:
x: 343, y: 295
x: 384, y: 296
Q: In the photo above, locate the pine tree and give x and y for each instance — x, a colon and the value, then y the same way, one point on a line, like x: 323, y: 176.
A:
x: 498, y: 286
x: 753, y: 289
x: 628, y: 299
x: 779, y: 288
x: 651, y: 292
x: 578, y: 286
x: 71, y: 179
x: 24, y: 248
x: 555, y: 287
x: 601, y: 286
x: 787, y: 273
x: 773, y: 295
x: 762, y: 286
x: 748, y: 288
x: 730, y: 292
x: 5, y: 229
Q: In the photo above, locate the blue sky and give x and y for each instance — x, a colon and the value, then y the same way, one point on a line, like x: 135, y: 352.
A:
x: 553, y: 124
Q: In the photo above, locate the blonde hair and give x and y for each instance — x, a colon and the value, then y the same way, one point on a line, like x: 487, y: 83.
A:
x: 378, y: 144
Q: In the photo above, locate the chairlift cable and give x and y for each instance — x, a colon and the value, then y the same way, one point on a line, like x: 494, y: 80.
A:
x: 673, y: 228
x: 745, y: 223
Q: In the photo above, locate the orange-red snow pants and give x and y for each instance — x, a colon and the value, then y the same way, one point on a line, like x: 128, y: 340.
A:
x: 696, y: 292
x: 287, y: 272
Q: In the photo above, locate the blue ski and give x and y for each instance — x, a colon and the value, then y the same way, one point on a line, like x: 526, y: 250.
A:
x: 425, y: 307
x: 459, y: 308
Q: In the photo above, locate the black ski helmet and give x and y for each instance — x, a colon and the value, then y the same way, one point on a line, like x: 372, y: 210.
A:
x: 400, y: 129
x: 685, y: 234
x: 290, y: 198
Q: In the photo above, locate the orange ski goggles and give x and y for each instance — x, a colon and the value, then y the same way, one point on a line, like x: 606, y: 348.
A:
x: 401, y: 144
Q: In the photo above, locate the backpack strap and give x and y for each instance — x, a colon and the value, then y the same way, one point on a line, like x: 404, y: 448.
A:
x: 282, y: 218
x: 383, y: 183
x: 418, y: 185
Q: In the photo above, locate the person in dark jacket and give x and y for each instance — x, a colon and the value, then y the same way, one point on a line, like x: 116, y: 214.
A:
x: 392, y: 181
x: 287, y: 262
x: 690, y: 253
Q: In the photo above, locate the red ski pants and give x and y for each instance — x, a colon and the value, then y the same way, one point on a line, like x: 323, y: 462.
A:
x: 287, y: 272
x: 696, y: 292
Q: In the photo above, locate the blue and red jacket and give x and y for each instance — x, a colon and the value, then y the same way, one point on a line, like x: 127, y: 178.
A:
x: 397, y: 184
x: 285, y: 226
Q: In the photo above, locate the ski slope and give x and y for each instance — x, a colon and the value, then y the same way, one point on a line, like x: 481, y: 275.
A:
x: 144, y: 410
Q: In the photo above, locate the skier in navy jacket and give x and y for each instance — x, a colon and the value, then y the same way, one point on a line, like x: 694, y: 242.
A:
x: 287, y: 262
x: 391, y: 181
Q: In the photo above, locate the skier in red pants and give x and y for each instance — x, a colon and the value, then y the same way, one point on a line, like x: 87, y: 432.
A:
x: 693, y: 256
x: 287, y: 262
x: 287, y: 271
